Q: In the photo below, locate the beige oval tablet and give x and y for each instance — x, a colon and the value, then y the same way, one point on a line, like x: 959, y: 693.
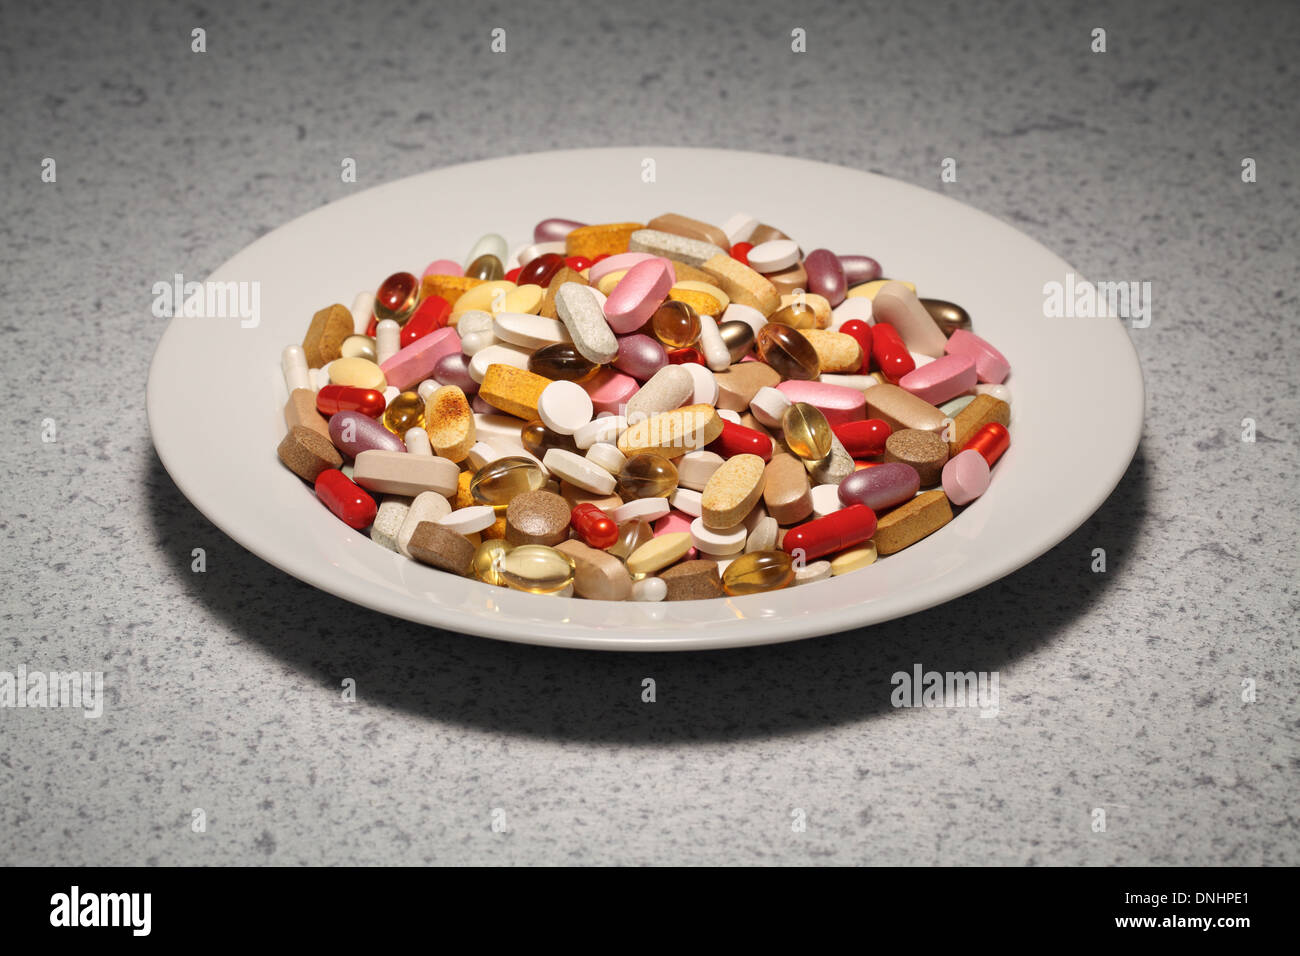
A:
x: 449, y: 422
x: 357, y: 372
x: 838, y: 352
x: 401, y: 473
x: 732, y: 492
x: 658, y: 553
x: 787, y: 494
x: 672, y: 433
x: 854, y: 559
x: 598, y: 575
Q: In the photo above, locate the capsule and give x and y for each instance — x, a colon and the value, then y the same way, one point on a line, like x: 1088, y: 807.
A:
x: 949, y: 316
x: 542, y: 270
x: 359, y: 346
x: 349, y: 502
x: 863, y: 439
x: 740, y: 252
x: 675, y: 324
x: 348, y: 398
x: 498, y: 481
x: 795, y: 316
x: 738, y: 337
x: 647, y: 475
x: 788, y: 352
x: 882, y: 486
x: 539, y: 439
x: 429, y: 316
x: 486, y: 267
x: 806, y: 431
x: 404, y: 412
x: 738, y: 440
x: 835, y: 532
x: 990, y: 441
x: 562, y: 362
x: 758, y: 571
x: 683, y: 356
x: 631, y: 535
x: 890, y: 353
x: 595, y: 528
x: 353, y: 432
x: 861, y: 333
x: 397, y: 297
x: 537, y: 569
x: 488, y: 557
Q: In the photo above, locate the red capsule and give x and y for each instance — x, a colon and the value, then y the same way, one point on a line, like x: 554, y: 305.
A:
x: 397, y: 296
x: 890, y: 353
x: 372, y: 327
x: 513, y: 274
x: 429, y: 316
x: 990, y: 441
x: 348, y: 398
x: 860, y: 465
x: 863, y: 439
x: 578, y: 263
x: 862, y: 333
x: 688, y: 354
x: 541, y: 271
x: 343, y: 496
x: 603, y: 255
x: 739, y: 440
x: 594, y: 527
x: 843, y: 529
x: 740, y: 252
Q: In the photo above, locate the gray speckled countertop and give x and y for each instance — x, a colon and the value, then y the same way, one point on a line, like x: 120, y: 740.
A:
x: 1120, y: 691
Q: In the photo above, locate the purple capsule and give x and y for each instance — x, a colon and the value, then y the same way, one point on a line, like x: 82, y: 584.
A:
x: 880, y: 486
x: 554, y: 230
x: 639, y: 356
x: 825, y: 275
x: 352, y: 433
x: 859, y: 269
x: 453, y: 369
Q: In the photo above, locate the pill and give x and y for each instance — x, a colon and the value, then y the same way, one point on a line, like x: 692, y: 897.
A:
x: 417, y: 442
x: 860, y: 332
x: 675, y: 324
x: 427, y: 506
x: 869, y: 289
x: 898, y: 305
x: 362, y: 311
x: 597, y: 575
x: 537, y: 569
x: 340, y: 398
x: 300, y: 410
x: 354, y: 432
x: 834, y: 468
x: 889, y: 352
x: 669, y: 388
x: 672, y: 433
x: 636, y: 296
x: 579, y: 471
x: 845, y: 528
x: 602, y: 239
x: 679, y: 225
x: 388, y: 521
x: 357, y: 373
x: 716, y: 354
x: 537, y: 517
x: 803, y: 303
x: 736, y: 439
x: 837, y: 403
x: 554, y: 230
x: 788, y: 352
x: 528, y: 331
x: 606, y: 429
x: 951, y: 408
x: 293, y: 364
x: 1000, y: 392
x: 851, y: 310
x: 541, y: 269
x: 687, y: 501
x: 980, y: 412
x: 640, y: 356
x: 787, y: 494
x: 695, y: 468
x: 632, y: 533
x: 533, y: 250
x: 733, y: 491
x: 812, y: 572
x: 447, y: 286
x: 743, y: 285
x: 854, y: 559
x: 580, y: 311
x: 498, y: 481
x: 795, y: 315
x: 711, y: 542
x: 593, y: 525
x: 487, y: 267
x: 899, y: 408
x: 415, y: 363
x: 881, y: 487
x: 307, y: 453
x: 826, y: 500
x: 607, y: 456
x: 863, y: 439
x: 926, y: 452
x: 942, y: 379
x: 739, y: 384
x: 739, y: 227
x: 991, y: 365
x: 470, y: 520
x: 563, y: 276
x: 728, y: 415
x: 610, y: 391
x: 513, y: 390
x: 758, y: 571
x: 640, y: 509
x: 738, y: 339
x: 947, y: 315
x: 649, y: 590
x: 693, y: 252
x: 990, y: 441
x: 398, y: 473
x: 762, y: 536
x: 912, y: 521
x: 564, y: 407
x: 773, y: 256
x: 659, y: 553
x: 349, y: 503
x: 449, y: 423
x: 405, y: 411
x: 965, y: 477
x: 789, y: 281
x: 621, y: 263
x: 859, y: 269
x: 768, y: 405
x: 324, y: 339
x: 693, y: 580
x: 826, y: 275
x: 646, y: 475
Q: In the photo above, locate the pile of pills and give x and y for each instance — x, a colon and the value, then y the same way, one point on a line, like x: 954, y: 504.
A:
x: 668, y: 410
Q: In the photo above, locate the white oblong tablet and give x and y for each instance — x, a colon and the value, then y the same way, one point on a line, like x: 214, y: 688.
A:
x: 687, y: 501
x: 607, y: 456
x: 578, y: 471
x: 695, y: 468
x: 528, y: 331
x: 427, y: 506
x: 826, y: 500
x: 718, y: 542
x: 469, y: 520
x: 641, y: 509
x: 858, y: 307
x: 727, y: 415
x: 481, y: 453
x: 564, y: 407
x: 496, y: 355
x: 606, y: 429
x: 706, y: 386
x: 859, y: 382
x: 774, y: 255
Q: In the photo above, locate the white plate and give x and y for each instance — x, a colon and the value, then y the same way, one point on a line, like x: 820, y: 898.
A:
x: 216, y: 393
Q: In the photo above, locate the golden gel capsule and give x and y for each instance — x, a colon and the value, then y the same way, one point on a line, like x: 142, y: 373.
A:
x: 537, y: 569
x: 758, y: 571
x: 806, y: 431
x: 488, y: 557
x: 486, y: 267
x: 675, y: 324
x: 498, y: 481
x: 647, y: 475
x: 404, y: 412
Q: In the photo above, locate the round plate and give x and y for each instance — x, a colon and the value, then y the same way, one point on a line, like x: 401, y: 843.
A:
x: 216, y: 393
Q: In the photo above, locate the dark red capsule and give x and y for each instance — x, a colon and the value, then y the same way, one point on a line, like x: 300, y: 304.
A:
x: 739, y: 440
x: 688, y: 354
x: 863, y: 439
x: 429, y: 316
x: 541, y: 271
x: 348, y: 398
x: 350, y: 502
x: 513, y: 275
x: 861, y: 333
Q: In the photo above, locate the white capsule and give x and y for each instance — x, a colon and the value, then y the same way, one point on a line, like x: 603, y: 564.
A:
x: 293, y: 363
x: 417, y: 441
x: 363, y: 310
x: 491, y: 243
x: 427, y: 388
x: 716, y: 353
x: 651, y: 589
x: 388, y: 340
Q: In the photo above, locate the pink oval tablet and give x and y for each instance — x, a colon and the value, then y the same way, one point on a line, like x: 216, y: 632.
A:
x: 617, y: 263
x: 940, y: 380
x: 990, y: 365
x: 610, y: 390
x: 638, y: 294
x: 415, y: 363
x: 442, y: 267
x: 839, y: 403
x: 965, y: 477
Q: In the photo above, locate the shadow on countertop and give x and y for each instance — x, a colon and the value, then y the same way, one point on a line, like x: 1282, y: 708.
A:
x: 591, y: 696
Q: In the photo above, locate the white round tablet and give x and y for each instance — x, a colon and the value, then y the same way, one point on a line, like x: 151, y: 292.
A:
x: 564, y: 407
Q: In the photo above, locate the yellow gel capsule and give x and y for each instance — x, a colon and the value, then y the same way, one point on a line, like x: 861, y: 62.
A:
x: 758, y: 571
x: 498, y: 481
x: 806, y: 431
x: 647, y: 475
x: 404, y: 412
x: 675, y: 324
x: 537, y: 568
x: 488, y: 557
